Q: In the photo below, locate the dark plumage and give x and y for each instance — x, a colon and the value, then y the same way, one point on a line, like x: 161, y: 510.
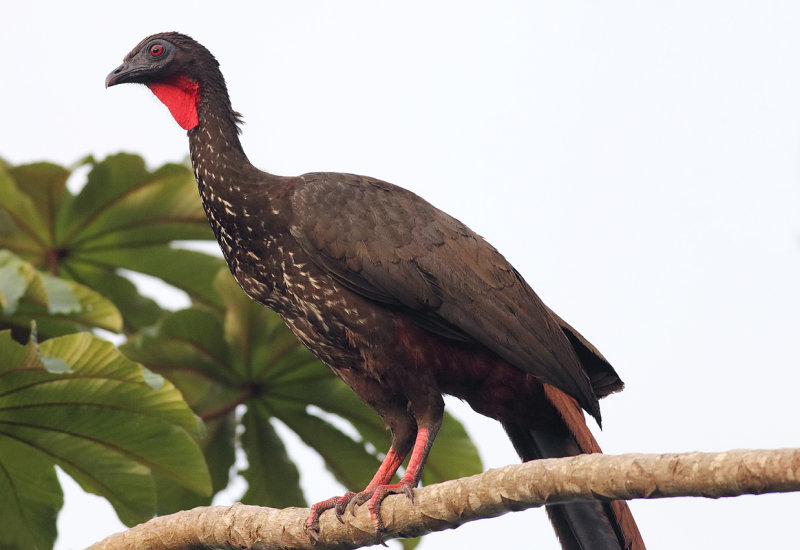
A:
x: 400, y: 300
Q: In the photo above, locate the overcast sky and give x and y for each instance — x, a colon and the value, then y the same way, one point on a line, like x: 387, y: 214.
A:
x: 638, y: 162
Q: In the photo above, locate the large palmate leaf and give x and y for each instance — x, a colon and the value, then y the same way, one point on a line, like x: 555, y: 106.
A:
x: 76, y: 402
x: 248, y: 357
x: 123, y: 217
x: 58, y: 306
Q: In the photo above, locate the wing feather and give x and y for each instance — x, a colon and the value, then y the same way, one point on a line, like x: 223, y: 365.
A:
x: 391, y: 246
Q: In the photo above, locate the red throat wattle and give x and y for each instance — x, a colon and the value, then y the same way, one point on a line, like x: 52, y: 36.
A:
x: 180, y: 94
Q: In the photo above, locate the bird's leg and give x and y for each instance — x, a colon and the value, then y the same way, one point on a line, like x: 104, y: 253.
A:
x: 384, y: 475
x: 426, y: 433
x: 403, y: 431
x: 388, y: 467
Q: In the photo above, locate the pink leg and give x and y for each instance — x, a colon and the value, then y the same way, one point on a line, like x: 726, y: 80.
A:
x: 404, y: 431
x: 422, y: 446
x: 388, y: 468
x: 383, y: 476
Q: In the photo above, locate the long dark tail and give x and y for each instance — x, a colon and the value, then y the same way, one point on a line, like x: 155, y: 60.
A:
x: 590, y: 525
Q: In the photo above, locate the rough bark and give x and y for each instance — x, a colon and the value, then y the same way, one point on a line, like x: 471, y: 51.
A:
x: 495, y: 492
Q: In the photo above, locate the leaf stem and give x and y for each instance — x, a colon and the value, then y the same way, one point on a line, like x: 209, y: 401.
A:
x: 52, y: 257
x: 246, y: 393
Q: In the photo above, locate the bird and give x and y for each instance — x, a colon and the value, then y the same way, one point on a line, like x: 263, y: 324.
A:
x: 400, y: 300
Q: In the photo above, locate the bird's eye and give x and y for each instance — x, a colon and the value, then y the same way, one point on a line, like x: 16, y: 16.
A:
x: 156, y: 50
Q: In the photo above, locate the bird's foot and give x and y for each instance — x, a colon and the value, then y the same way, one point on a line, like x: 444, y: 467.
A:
x: 375, y: 500
x: 312, y: 523
x: 341, y: 504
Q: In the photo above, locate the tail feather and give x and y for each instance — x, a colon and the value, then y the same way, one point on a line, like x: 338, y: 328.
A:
x: 589, y: 525
x: 584, y: 526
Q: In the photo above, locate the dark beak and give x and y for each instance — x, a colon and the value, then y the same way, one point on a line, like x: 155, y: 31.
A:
x: 127, y: 72
x: 117, y: 76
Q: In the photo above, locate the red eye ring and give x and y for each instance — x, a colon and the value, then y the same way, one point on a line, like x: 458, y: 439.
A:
x: 156, y: 50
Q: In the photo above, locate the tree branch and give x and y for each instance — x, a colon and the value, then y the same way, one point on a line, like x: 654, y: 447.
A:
x: 450, y: 504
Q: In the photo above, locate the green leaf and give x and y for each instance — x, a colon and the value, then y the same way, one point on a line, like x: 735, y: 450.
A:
x: 99, y: 421
x: 192, y: 272
x: 186, y: 340
x: 30, y: 496
x: 91, y: 357
x: 57, y: 305
x: 124, y: 217
x: 21, y: 223
x: 46, y: 185
x: 219, y: 451
x: 332, y: 396
x: 348, y: 460
x: 108, y: 183
x: 137, y: 311
x: 14, y: 281
x: 122, y: 202
x: 272, y: 478
x: 410, y: 544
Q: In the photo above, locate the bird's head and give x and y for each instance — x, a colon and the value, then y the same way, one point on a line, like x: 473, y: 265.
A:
x: 175, y: 68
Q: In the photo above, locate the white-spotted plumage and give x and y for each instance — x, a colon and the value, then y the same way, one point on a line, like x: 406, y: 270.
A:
x: 402, y: 301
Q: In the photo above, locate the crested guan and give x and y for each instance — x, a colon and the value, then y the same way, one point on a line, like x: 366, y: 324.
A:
x: 403, y: 302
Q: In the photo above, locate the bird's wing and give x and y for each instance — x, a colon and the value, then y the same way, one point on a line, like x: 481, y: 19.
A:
x: 391, y: 246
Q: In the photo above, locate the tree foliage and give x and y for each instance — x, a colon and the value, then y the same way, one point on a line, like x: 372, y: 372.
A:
x: 154, y: 423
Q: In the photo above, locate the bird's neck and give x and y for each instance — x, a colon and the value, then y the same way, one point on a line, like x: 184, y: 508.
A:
x: 219, y: 162
x: 224, y: 174
x: 203, y: 108
x: 214, y: 141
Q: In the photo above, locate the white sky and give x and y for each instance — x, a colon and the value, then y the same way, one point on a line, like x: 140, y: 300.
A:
x: 637, y: 161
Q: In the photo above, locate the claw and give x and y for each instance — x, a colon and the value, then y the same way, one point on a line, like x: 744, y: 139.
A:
x: 312, y: 527
x: 341, y: 505
x: 312, y: 523
x: 373, y: 498
x: 360, y: 499
x: 376, y: 501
